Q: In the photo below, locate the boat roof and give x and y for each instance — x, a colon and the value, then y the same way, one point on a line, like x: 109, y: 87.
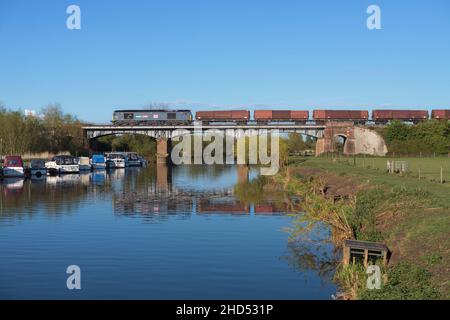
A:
x: 13, y: 157
x: 38, y: 162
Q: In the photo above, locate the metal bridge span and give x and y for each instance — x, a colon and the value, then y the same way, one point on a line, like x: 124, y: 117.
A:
x: 358, y: 139
x: 171, y: 131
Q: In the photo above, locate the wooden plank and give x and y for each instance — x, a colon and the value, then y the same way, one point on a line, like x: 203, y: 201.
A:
x: 356, y: 244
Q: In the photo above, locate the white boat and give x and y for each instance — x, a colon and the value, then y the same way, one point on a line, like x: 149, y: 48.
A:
x: 98, y: 162
x: 118, y: 160
x: 62, y: 164
x: 84, y: 164
x: 13, y: 166
x: 37, y: 168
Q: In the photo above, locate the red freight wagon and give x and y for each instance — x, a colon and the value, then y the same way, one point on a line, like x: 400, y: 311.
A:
x: 225, y: 115
x: 440, y: 114
x: 359, y: 116
x: 281, y: 115
x: 383, y: 116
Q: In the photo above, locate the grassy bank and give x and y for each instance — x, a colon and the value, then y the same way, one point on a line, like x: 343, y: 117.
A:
x: 427, y: 168
x: 410, y: 215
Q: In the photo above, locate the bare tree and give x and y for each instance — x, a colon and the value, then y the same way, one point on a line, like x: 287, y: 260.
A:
x: 157, y: 105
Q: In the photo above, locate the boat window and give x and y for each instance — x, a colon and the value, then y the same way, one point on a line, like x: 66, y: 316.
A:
x: 65, y: 161
x: 13, y: 163
x: 69, y: 161
x: 128, y: 115
x: 37, y: 163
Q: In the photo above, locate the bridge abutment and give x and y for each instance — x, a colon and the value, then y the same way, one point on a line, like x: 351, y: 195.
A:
x: 357, y: 140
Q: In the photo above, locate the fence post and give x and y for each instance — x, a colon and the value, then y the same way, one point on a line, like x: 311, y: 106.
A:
x: 442, y: 180
x: 419, y: 173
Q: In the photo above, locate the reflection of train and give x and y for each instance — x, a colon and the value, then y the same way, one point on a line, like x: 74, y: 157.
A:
x: 226, y: 207
x: 180, y: 117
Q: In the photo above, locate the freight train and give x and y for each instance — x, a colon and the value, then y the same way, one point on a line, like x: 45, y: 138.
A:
x: 184, y: 117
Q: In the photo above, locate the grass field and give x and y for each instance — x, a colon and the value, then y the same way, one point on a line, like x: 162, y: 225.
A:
x: 428, y: 168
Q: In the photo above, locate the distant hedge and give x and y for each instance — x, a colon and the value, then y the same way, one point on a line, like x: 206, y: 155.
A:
x: 428, y: 137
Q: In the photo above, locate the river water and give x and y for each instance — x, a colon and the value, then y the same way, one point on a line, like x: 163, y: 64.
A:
x: 153, y: 233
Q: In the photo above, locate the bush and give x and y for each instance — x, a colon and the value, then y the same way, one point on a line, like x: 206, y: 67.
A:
x: 406, y: 281
x: 427, y: 137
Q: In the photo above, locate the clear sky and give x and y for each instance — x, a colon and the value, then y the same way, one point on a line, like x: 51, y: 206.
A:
x: 205, y: 54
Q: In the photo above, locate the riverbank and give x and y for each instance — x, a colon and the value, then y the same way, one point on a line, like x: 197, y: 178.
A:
x: 408, y: 214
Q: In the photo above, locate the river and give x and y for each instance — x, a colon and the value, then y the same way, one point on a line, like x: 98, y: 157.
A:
x: 152, y: 233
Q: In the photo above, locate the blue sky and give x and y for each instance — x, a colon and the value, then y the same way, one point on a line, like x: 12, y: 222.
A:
x: 205, y: 54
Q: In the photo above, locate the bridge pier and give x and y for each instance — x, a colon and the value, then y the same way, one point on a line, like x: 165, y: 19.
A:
x: 163, y: 149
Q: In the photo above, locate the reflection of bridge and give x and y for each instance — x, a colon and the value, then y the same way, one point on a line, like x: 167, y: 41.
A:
x: 159, y: 198
x: 164, y: 178
x: 356, y: 139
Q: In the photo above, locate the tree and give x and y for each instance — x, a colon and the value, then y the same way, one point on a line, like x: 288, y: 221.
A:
x: 397, y: 130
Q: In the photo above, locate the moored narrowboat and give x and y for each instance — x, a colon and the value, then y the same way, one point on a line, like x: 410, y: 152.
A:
x: 37, y: 168
x: 62, y: 164
x: 117, y: 160
x: 13, y: 166
x: 84, y: 164
x: 98, y: 161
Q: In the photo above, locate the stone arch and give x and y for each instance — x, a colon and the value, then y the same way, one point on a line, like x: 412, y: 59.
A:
x: 345, y: 143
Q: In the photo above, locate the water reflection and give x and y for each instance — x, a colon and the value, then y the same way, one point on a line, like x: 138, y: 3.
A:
x: 146, y: 191
x: 185, y: 232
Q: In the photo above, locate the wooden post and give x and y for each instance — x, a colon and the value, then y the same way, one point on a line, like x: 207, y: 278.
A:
x: 442, y: 178
x: 385, y: 258
x: 419, y: 173
x: 346, y: 255
x: 366, y: 257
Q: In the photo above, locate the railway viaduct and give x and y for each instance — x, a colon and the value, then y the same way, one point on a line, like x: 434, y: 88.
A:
x: 357, y: 139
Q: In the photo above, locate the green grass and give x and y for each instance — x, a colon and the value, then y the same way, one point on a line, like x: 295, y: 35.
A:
x: 374, y: 172
x: 417, y: 229
x: 430, y: 168
x: 406, y: 282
